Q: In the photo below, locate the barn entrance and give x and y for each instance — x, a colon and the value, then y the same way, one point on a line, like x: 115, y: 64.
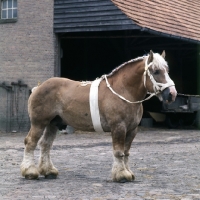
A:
x: 86, y: 56
x: 97, y: 36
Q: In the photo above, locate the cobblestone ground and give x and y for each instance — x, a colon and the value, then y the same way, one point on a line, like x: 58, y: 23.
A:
x: 166, y: 164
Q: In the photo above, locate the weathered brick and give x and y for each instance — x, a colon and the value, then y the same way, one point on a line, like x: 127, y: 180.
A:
x: 27, y: 53
x: 27, y: 46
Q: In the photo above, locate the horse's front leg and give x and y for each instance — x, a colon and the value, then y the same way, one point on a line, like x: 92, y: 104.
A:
x: 119, y: 171
x: 128, y: 141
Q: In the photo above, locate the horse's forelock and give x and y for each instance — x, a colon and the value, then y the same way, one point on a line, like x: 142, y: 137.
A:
x: 159, y: 62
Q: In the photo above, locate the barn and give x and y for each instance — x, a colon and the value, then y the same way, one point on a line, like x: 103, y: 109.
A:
x: 84, y: 39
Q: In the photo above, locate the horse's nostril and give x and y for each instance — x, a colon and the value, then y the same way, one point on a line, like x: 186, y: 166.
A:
x: 170, y: 97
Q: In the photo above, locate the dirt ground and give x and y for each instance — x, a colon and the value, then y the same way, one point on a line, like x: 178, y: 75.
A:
x: 166, y: 164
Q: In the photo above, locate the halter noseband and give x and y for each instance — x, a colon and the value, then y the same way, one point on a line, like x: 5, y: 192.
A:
x: 157, y: 87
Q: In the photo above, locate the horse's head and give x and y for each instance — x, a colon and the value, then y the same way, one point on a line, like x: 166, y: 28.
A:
x: 157, y: 79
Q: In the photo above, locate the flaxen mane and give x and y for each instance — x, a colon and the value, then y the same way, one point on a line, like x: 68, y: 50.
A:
x: 158, y: 63
x: 84, y: 83
x: 122, y: 65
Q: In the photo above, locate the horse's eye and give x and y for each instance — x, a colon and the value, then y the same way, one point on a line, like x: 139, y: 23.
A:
x: 156, y: 72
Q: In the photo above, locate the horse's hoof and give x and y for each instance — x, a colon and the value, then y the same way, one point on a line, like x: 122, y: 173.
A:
x: 122, y: 176
x: 51, y: 176
x: 31, y: 176
x: 124, y: 180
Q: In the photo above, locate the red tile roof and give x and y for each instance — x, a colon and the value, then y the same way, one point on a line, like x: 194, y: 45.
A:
x: 179, y: 18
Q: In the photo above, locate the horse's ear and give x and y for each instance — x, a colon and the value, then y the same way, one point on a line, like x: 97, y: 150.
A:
x: 163, y: 54
x: 150, y: 59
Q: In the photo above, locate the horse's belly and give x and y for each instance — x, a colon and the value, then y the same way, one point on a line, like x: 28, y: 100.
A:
x: 78, y: 117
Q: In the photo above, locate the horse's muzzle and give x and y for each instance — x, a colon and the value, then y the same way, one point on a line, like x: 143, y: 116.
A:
x: 169, y: 94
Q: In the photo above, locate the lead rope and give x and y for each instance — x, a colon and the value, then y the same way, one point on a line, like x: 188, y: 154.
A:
x: 121, y: 97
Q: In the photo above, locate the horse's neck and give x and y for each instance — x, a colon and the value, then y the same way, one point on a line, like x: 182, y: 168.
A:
x: 129, y: 79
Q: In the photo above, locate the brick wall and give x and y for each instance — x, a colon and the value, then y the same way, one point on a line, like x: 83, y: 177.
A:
x: 27, y: 46
x: 27, y: 53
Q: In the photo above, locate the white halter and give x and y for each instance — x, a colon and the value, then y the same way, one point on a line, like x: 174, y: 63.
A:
x: 157, y: 87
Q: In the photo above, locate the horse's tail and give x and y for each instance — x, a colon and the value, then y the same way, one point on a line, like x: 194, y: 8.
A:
x: 34, y: 88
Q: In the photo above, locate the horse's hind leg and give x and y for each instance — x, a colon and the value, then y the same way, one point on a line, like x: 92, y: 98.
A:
x: 28, y: 168
x: 46, y: 167
x: 119, y: 171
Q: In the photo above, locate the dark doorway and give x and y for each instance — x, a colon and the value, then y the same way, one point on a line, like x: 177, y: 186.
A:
x: 87, y: 56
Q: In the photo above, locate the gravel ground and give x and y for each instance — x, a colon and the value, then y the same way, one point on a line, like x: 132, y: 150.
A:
x: 166, y: 164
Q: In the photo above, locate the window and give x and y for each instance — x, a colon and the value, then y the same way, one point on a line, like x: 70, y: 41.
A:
x: 8, y: 9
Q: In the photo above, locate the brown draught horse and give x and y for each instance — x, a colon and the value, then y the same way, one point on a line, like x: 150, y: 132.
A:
x: 112, y: 104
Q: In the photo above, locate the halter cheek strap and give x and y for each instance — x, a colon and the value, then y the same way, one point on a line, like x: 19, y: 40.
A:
x: 146, y: 69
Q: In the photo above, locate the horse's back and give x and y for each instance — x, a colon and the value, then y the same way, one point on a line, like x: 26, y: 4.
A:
x: 56, y: 82
x: 53, y: 85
